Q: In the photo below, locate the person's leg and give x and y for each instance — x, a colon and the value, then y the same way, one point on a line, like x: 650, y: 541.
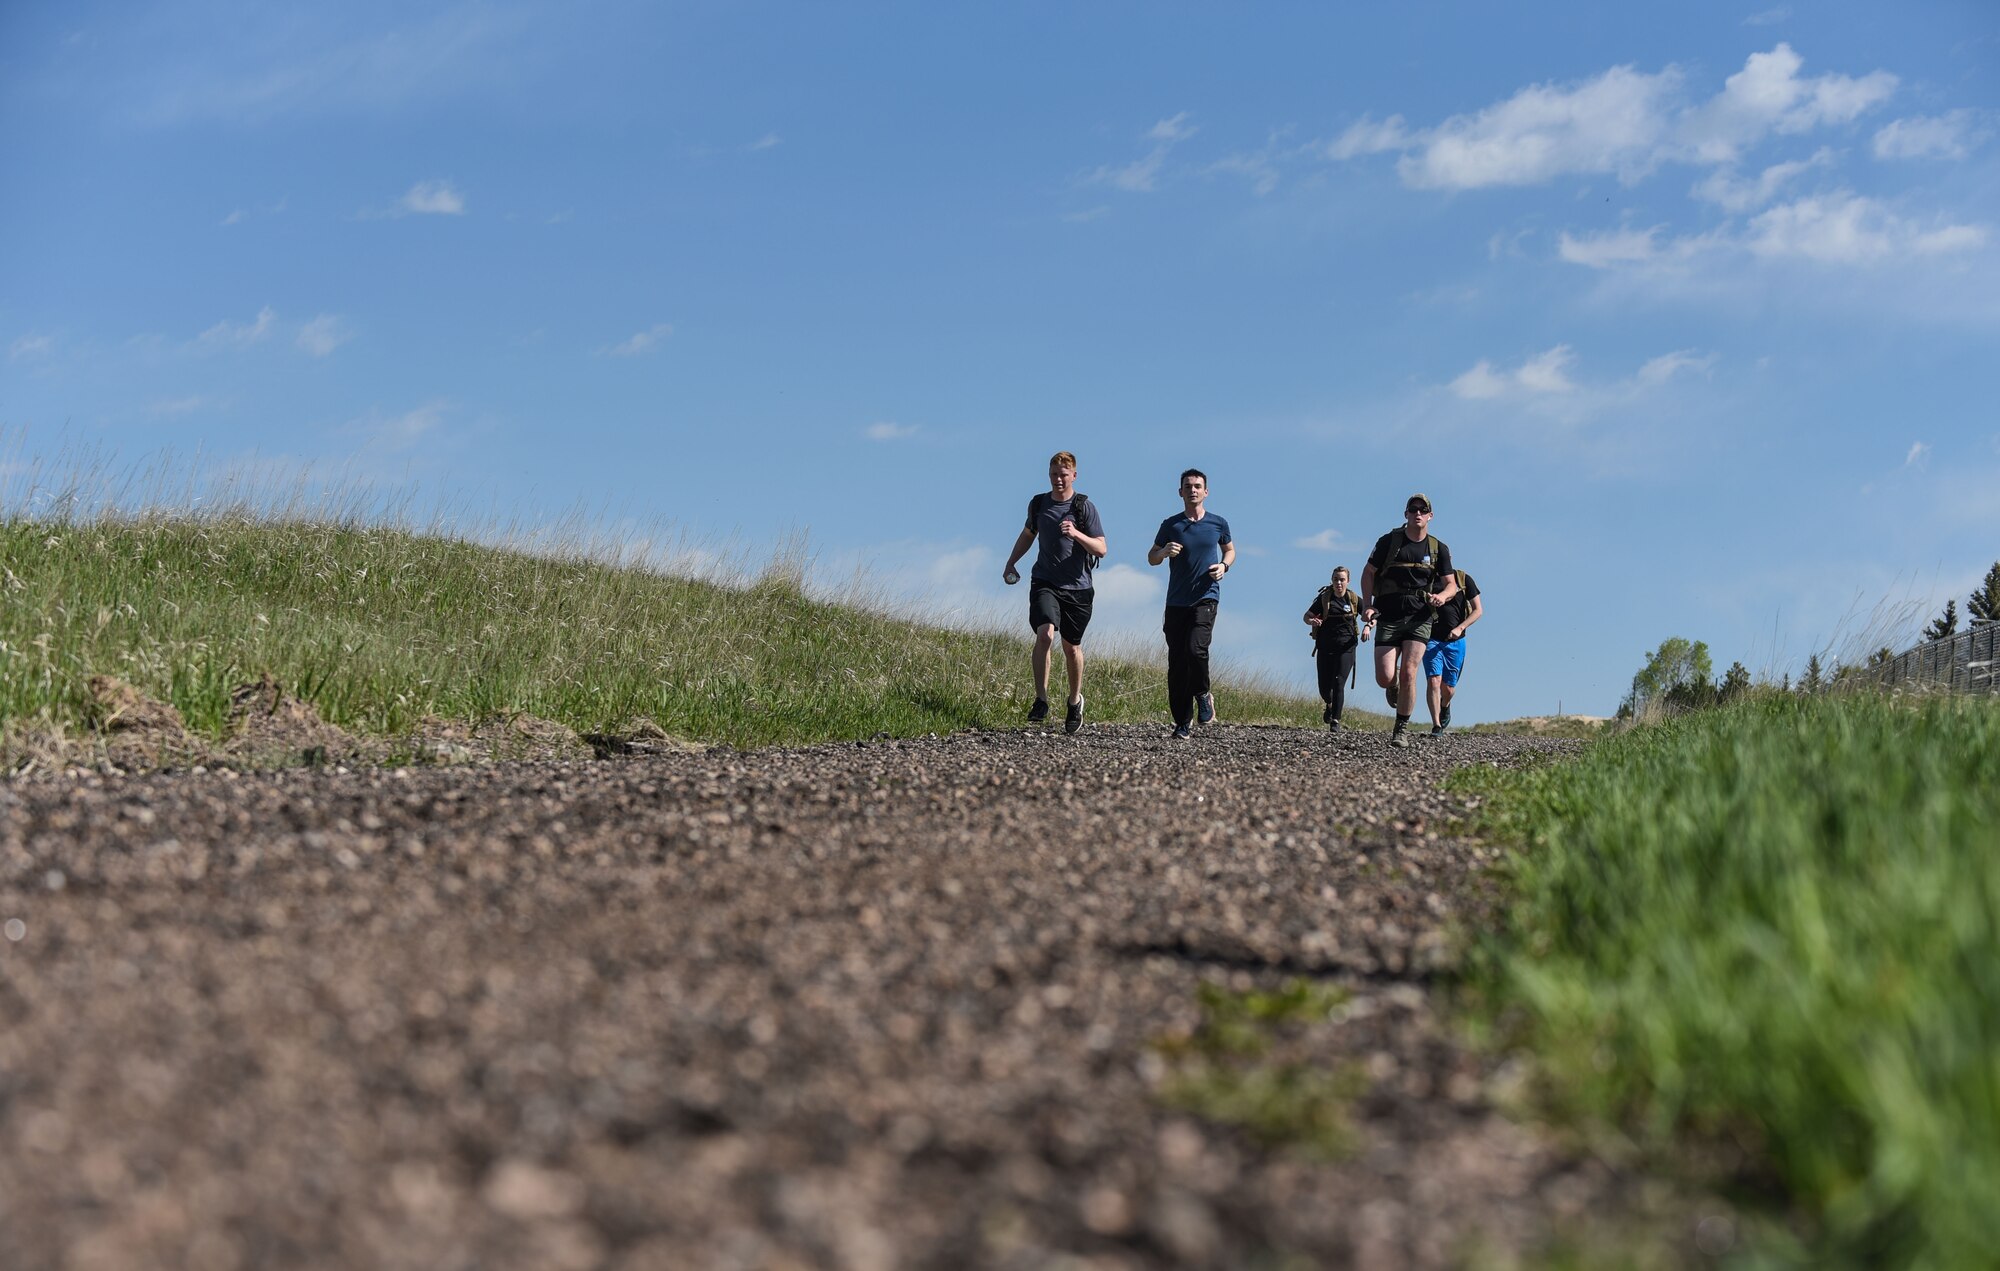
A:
x: 1073, y: 663
x: 1045, y: 637
x: 1454, y: 666
x: 1326, y: 666
x: 1179, y: 621
x: 1343, y: 666
x: 1076, y: 607
x: 1434, y: 656
x: 1412, y: 654
x: 1198, y: 641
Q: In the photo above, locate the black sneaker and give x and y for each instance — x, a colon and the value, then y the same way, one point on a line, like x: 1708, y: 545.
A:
x: 1390, y: 693
x: 1444, y: 717
x: 1204, y: 709
x: 1437, y: 730
x: 1326, y: 714
x: 1039, y: 711
x: 1399, y: 739
x: 1182, y: 732
x: 1333, y: 725
x: 1073, y: 720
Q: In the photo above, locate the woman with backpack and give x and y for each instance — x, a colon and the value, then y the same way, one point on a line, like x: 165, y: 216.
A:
x: 1337, y: 630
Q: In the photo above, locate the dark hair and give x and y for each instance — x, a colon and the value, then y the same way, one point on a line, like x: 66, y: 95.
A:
x: 1193, y: 472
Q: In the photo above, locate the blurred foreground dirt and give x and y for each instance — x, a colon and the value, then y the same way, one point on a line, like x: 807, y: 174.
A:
x: 889, y: 1004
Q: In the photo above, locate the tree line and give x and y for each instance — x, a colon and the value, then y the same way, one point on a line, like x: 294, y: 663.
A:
x: 1680, y: 674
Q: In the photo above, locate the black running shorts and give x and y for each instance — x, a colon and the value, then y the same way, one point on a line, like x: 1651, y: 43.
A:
x: 1066, y: 610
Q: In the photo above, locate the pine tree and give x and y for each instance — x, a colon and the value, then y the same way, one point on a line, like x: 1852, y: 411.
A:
x: 1983, y: 605
x: 1815, y: 677
x: 1946, y: 624
x: 1735, y: 682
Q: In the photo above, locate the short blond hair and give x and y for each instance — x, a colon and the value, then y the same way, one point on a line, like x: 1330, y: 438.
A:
x: 1063, y: 459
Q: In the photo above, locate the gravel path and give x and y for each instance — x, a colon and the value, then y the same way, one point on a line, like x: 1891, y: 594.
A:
x: 891, y: 1004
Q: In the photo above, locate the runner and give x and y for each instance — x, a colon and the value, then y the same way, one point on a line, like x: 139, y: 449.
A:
x: 1396, y: 587
x: 1197, y: 543
x: 1444, y: 656
x: 1335, y: 618
x: 1071, y: 535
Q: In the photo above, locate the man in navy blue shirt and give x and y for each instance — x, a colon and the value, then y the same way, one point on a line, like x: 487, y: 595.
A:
x: 1197, y: 544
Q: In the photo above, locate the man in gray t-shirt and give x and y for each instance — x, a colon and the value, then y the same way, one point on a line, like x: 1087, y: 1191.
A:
x: 1071, y: 538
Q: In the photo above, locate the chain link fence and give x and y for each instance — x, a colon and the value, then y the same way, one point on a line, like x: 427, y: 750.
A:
x: 1962, y: 663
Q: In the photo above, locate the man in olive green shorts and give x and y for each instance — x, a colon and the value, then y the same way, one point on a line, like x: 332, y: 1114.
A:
x: 1396, y: 593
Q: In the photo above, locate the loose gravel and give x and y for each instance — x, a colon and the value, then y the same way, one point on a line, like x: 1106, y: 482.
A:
x: 901, y: 1003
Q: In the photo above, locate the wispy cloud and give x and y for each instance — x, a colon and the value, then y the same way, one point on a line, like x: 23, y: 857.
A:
x: 1142, y: 174
x: 1543, y: 373
x: 1737, y: 194
x: 31, y: 345
x: 640, y: 343
x: 323, y: 335
x: 239, y: 215
x: 1949, y: 136
x: 1097, y: 213
x: 1919, y: 456
x: 1769, y: 17
x: 236, y: 335
x: 1324, y: 541
x: 433, y: 198
x: 1623, y: 122
x: 1659, y: 370
x: 396, y: 434
x: 889, y: 430
x: 1836, y: 228
x: 769, y: 141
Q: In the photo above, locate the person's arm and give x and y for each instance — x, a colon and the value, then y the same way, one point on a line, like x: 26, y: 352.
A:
x: 1022, y: 543
x: 1217, y: 570
x: 1474, y: 613
x: 1450, y: 590
x: 1368, y: 591
x: 1099, y: 546
x: 1315, y: 613
x: 1162, y: 549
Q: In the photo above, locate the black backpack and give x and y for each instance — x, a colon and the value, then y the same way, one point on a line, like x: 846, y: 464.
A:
x: 1079, y: 503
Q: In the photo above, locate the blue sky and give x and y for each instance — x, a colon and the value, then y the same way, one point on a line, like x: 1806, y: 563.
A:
x: 1686, y: 318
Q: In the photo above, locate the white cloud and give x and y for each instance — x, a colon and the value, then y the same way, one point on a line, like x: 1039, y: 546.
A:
x: 239, y: 215
x: 236, y: 335
x: 1624, y: 122
x: 1258, y: 167
x: 888, y: 430
x: 1769, y: 95
x: 323, y: 335
x: 1617, y: 247
x: 1543, y: 373
x: 179, y: 405
x: 1769, y: 17
x: 433, y: 198
x: 1919, y: 456
x: 640, y: 342
x: 1324, y: 541
x: 1540, y: 374
x: 1948, y: 136
x: 1480, y: 382
x: 1097, y: 213
x: 1366, y: 136
x: 29, y: 346
x: 1732, y: 193
x: 1847, y: 228
x: 1659, y: 370
x: 769, y: 141
x: 398, y: 433
x: 1142, y: 174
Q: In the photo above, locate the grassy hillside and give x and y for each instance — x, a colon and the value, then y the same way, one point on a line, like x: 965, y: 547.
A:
x: 379, y: 627
x: 1776, y: 927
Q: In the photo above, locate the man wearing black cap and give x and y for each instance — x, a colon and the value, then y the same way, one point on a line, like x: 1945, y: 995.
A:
x: 1396, y: 591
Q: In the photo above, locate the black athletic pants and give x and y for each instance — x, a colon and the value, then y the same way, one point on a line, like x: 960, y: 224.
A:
x: 1188, y: 629
x: 1335, y: 663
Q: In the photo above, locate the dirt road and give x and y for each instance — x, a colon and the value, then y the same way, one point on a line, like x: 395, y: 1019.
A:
x: 914, y: 1003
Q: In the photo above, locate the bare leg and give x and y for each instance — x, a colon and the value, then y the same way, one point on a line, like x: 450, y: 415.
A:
x: 1385, y: 665
x: 1044, y: 637
x: 1073, y: 663
x: 1435, y: 696
x: 1413, y: 657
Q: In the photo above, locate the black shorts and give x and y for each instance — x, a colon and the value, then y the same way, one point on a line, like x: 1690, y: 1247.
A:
x: 1059, y: 607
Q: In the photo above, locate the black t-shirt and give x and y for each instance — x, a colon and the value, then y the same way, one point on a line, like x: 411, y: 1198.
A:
x: 1342, y: 617
x: 1395, y: 546
x: 1453, y: 612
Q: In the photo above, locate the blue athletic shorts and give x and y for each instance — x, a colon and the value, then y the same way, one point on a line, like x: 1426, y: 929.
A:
x: 1446, y: 658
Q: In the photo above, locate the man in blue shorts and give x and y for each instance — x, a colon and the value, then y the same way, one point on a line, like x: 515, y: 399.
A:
x: 1444, y: 653
x: 1060, y: 590
x: 1198, y: 544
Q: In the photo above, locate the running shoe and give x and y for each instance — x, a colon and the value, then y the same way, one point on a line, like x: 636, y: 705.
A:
x: 1444, y: 717
x: 1390, y: 693
x: 1326, y: 714
x: 1074, y: 719
x: 1437, y: 730
x: 1182, y: 732
x: 1399, y: 739
x: 1039, y: 711
x: 1333, y: 725
x: 1204, y: 709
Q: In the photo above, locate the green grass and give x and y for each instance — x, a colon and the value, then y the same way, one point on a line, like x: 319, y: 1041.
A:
x: 1226, y: 1073
x: 1778, y: 925
x: 378, y: 627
